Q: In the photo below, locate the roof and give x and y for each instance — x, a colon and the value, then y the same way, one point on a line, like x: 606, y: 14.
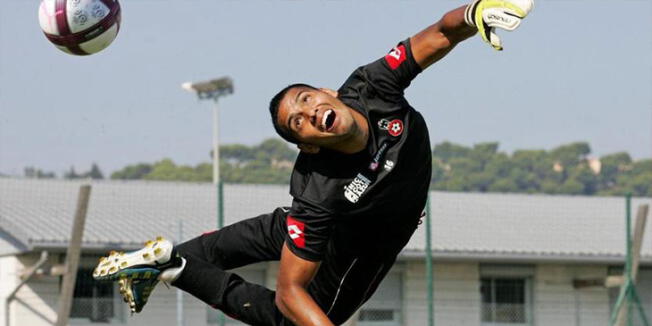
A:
x: 533, y: 227
x: 39, y: 214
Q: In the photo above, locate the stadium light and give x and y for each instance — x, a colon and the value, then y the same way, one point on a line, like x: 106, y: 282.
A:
x: 212, y: 90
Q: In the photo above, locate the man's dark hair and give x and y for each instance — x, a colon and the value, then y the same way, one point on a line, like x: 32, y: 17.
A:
x: 274, y: 104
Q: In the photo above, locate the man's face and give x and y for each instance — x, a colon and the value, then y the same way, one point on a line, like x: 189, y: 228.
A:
x: 316, y: 117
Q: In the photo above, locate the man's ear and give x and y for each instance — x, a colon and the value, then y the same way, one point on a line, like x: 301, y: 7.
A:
x: 308, y: 148
x: 329, y: 91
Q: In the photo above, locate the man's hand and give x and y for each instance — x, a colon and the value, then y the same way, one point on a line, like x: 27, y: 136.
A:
x: 486, y: 15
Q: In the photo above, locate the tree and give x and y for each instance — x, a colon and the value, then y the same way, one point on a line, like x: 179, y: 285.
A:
x: 94, y: 173
x: 447, y: 150
x: 72, y: 174
x: 572, y: 187
x: 132, y: 172
x: 166, y: 170
x: 32, y: 172
x: 571, y: 155
x: 611, y: 166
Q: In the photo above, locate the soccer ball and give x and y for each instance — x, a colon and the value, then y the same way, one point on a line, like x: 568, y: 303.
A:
x: 80, y: 27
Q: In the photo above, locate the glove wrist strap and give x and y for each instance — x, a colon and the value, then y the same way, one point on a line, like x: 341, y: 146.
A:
x: 469, y: 13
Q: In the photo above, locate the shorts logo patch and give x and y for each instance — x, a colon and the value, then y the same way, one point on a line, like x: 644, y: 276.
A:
x: 354, y: 190
x: 296, y: 232
x: 395, y: 127
x: 395, y: 57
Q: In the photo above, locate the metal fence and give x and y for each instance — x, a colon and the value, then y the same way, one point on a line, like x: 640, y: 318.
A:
x: 489, y: 253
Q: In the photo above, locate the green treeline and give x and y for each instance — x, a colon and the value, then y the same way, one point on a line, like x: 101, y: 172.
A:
x: 563, y: 170
x: 269, y: 162
x: 567, y: 169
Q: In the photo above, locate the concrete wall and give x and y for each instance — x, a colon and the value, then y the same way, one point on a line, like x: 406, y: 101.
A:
x: 35, y: 302
x: 8, y: 282
x: 457, y: 296
x: 458, y: 301
x: 557, y: 303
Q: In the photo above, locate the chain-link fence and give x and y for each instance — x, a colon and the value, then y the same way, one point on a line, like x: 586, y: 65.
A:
x: 499, y: 259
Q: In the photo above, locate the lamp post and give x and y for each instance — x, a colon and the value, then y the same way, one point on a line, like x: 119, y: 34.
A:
x: 212, y: 90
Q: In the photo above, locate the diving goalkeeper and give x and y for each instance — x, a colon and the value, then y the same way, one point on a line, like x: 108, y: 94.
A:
x: 359, y: 186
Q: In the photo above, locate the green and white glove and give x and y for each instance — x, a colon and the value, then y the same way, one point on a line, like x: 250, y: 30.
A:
x: 487, y: 15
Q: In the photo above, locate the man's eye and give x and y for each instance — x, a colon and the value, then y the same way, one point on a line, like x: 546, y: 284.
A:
x: 306, y: 98
x: 297, y: 122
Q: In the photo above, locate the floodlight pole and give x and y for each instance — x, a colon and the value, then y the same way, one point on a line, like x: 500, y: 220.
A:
x: 216, y: 143
x: 213, y: 90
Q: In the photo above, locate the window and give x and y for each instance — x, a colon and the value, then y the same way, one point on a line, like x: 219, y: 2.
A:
x: 384, y: 307
x: 256, y: 276
x: 93, y: 300
x: 505, y: 293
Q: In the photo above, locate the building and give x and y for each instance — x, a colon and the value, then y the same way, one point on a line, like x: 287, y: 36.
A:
x: 499, y: 259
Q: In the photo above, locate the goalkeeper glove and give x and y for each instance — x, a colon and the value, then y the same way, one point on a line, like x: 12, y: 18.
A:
x: 486, y: 15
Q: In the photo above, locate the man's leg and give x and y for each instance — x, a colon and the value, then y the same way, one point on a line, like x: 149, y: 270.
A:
x: 246, y: 242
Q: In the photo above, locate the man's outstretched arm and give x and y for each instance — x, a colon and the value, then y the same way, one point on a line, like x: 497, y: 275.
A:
x: 434, y: 42
x: 291, y: 296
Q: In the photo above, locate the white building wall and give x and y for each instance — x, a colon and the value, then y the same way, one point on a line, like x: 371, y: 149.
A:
x: 457, y: 295
x: 557, y: 303
x: 7, y: 283
x: 415, y: 310
x: 457, y: 298
x: 36, y: 302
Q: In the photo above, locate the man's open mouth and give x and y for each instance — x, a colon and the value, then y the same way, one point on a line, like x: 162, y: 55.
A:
x: 328, y: 120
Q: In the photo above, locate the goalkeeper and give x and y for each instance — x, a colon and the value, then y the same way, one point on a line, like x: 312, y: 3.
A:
x: 359, y: 186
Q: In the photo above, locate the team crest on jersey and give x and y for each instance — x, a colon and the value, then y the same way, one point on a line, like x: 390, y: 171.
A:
x: 354, y: 190
x: 395, y: 127
x: 396, y: 56
x: 296, y: 232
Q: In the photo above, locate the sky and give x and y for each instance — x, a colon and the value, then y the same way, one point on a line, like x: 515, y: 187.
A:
x: 576, y: 70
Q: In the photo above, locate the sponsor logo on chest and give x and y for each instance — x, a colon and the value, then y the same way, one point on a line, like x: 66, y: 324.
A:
x: 354, y: 190
x: 379, y: 154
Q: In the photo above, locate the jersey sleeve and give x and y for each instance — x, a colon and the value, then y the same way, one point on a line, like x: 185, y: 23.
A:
x: 394, y: 72
x: 308, y: 230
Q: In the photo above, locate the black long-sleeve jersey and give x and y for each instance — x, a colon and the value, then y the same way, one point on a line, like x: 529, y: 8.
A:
x: 372, y: 200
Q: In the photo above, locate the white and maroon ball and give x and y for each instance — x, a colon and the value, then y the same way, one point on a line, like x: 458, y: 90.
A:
x: 80, y: 27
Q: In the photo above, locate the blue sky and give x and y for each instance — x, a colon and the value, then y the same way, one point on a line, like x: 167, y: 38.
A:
x: 574, y: 71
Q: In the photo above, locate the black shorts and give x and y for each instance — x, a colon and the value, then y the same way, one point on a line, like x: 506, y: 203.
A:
x: 344, y: 281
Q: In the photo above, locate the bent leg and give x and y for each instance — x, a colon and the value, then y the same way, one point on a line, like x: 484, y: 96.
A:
x: 246, y: 242
x: 248, y: 302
